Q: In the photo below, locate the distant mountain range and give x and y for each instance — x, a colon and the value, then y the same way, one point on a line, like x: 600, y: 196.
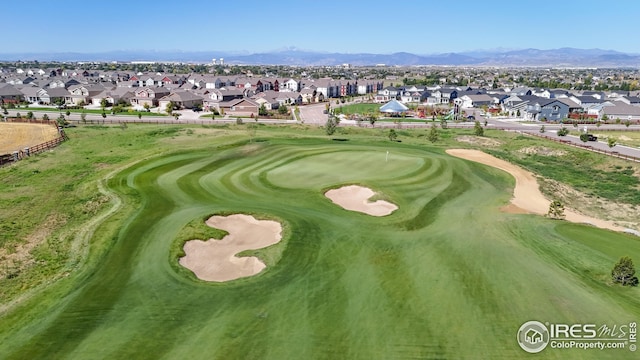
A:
x: 563, y: 57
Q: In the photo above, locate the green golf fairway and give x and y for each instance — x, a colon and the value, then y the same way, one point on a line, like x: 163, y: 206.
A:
x: 447, y: 275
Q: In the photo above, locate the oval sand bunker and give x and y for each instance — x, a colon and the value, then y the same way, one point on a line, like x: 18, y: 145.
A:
x: 356, y: 198
x: 216, y: 260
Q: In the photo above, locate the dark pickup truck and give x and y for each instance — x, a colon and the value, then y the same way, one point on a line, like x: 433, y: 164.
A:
x: 588, y: 137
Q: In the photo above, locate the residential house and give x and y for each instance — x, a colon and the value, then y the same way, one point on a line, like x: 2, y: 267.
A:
x: 289, y: 85
x: 474, y: 101
x: 387, y: 94
x: 240, y: 107
x: 268, y: 99
x: 57, y: 83
x: 30, y: 93
x: 585, y: 101
x: 289, y: 98
x: 521, y: 91
x: 622, y: 111
x: 10, y: 94
x: 181, y: 100
x: 516, y: 105
x: 442, y: 96
x: 543, y: 93
x: 54, y: 96
x: 82, y: 94
x: 630, y: 100
x: 559, y: 93
x: 148, y: 96
x: 20, y: 80
x: 547, y: 110
x: 310, y: 95
x: 119, y: 95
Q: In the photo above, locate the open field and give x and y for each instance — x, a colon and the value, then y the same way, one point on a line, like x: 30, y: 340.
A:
x: 17, y: 136
x: 340, y: 284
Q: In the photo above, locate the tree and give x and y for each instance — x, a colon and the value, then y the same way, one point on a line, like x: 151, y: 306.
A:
x: 611, y: 141
x: 61, y: 121
x: 30, y: 115
x: 331, y: 125
x: 372, y: 119
x: 443, y: 123
x: 262, y: 111
x: 624, y: 272
x: 139, y: 115
x: 146, y: 106
x: 45, y: 117
x: 433, y: 134
x: 176, y: 115
x: 169, y: 107
x: 556, y: 210
x: 104, y: 115
x: 392, y: 135
x: 477, y: 129
x: 563, y: 131
x: 627, y: 123
x: 282, y: 109
x: 103, y: 103
x: 19, y: 116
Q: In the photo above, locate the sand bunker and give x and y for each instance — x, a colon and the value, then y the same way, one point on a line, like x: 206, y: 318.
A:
x: 527, y: 195
x: 356, y: 198
x: 216, y: 260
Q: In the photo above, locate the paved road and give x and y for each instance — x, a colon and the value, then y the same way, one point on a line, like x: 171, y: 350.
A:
x: 314, y: 114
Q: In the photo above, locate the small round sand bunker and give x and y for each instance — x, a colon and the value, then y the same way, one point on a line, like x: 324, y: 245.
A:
x: 216, y: 260
x: 356, y: 198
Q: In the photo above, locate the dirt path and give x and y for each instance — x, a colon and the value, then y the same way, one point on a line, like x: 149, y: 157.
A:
x: 17, y: 136
x: 527, y: 197
x: 216, y: 260
x: 356, y: 198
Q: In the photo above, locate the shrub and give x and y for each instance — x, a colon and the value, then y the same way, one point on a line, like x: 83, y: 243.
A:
x: 624, y: 272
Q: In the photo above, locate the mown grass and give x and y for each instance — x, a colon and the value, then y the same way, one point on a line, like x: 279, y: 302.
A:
x: 445, y: 276
x: 361, y: 108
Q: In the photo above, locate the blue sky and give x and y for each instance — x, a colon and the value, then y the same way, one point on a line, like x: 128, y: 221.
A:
x: 417, y: 26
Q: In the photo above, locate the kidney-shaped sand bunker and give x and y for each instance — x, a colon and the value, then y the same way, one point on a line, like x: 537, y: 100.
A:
x: 216, y: 260
x: 356, y: 198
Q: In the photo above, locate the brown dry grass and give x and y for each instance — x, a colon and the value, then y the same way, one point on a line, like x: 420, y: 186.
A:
x: 478, y: 140
x: 17, y: 136
x: 16, y: 259
x: 624, y: 215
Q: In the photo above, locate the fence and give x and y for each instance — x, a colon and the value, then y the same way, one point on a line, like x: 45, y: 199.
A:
x: 6, y: 159
x: 172, y: 121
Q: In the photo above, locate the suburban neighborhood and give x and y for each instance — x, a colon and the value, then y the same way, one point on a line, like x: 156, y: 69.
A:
x: 596, y: 95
